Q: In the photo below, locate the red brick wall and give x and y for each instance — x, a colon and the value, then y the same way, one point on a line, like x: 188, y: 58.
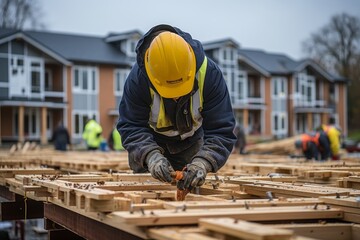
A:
x: 106, y: 98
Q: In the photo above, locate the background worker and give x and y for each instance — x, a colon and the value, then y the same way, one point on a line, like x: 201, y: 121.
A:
x: 92, y: 135
x: 334, y: 135
x: 240, y: 143
x: 61, y: 138
x: 114, y: 141
x: 176, y: 110
x: 314, y: 144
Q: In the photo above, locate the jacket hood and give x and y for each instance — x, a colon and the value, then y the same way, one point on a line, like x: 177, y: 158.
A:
x: 145, y: 41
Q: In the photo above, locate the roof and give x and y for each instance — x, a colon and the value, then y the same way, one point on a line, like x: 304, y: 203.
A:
x: 73, y: 47
x: 113, y: 37
x: 4, y: 32
x: 269, y: 62
x: 80, y: 48
x: 220, y: 43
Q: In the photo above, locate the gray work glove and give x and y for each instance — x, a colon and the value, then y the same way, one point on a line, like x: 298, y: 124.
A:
x: 195, y: 174
x: 159, y: 166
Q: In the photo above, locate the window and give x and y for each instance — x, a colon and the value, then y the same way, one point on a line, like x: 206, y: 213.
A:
x: 48, y: 80
x: 305, y: 90
x: 297, y: 84
x: 120, y: 78
x: 228, y: 55
x: 279, y: 106
x: 36, y: 73
x: 76, y: 78
x: 85, y: 79
x: 35, y: 82
x: 128, y: 47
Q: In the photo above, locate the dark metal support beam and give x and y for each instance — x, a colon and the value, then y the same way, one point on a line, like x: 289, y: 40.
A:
x: 63, y: 234
x: 24, y: 209
x: 85, y: 227
x: 5, y: 193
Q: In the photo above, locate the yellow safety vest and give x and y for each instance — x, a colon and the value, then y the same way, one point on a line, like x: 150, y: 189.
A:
x: 334, y: 137
x: 160, y: 122
x: 92, y: 133
x: 117, y: 143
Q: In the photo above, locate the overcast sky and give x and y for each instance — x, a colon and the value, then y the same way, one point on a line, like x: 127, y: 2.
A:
x: 278, y: 26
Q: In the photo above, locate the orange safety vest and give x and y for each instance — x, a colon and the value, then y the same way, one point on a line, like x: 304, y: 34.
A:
x: 305, y: 138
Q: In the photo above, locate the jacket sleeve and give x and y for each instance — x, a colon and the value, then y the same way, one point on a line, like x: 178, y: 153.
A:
x: 218, y: 119
x: 133, y: 126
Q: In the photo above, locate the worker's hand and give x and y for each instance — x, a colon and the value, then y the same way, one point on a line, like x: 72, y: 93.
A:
x: 195, y: 174
x: 159, y: 166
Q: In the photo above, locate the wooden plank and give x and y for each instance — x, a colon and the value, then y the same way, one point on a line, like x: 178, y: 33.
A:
x: 301, y: 191
x: 328, y: 231
x: 356, y: 231
x: 191, y: 216
x: 251, y: 203
x: 243, y: 229
x: 342, y: 201
x: 179, y: 234
x: 351, y: 217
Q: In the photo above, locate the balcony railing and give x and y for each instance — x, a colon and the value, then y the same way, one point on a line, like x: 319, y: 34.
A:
x: 59, y: 94
x: 305, y: 103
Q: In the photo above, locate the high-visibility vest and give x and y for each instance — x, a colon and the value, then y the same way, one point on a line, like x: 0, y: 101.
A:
x: 162, y: 124
x: 92, y: 134
x: 305, y: 138
x: 334, y: 137
x: 117, y: 143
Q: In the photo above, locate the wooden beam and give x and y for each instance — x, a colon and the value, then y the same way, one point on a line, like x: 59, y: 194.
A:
x: 191, y: 216
x: 328, y: 231
x: 242, y: 229
x: 253, y: 203
x: 179, y: 234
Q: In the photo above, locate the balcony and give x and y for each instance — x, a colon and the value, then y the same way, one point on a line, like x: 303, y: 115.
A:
x: 252, y: 102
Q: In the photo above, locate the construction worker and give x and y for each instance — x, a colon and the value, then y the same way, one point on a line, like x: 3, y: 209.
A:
x: 334, y: 135
x: 175, y: 111
x: 240, y: 143
x: 114, y: 140
x: 61, y: 138
x: 92, y: 135
x: 314, y: 144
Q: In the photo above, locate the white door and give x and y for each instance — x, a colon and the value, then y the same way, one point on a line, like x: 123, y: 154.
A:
x: 36, y: 77
x: 19, y: 85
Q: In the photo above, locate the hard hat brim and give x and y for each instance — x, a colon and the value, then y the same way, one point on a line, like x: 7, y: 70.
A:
x: 174, y: 90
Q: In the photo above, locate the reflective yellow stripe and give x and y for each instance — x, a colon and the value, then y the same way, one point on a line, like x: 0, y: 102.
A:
x: 200, y: 75
x: 158, y: 119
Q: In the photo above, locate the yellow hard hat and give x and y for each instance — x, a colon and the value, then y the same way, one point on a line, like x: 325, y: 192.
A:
x: 170, y: 64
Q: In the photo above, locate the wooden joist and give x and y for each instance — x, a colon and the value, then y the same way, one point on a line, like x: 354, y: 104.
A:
x: 261, y: 188
x: 251, y: 203
x: 191, y: 216
x: 244, y: 230
x: 328, y: 231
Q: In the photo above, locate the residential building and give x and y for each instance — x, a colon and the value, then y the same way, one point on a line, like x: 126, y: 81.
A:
x: 47, y: 78
x: 276, y: 96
